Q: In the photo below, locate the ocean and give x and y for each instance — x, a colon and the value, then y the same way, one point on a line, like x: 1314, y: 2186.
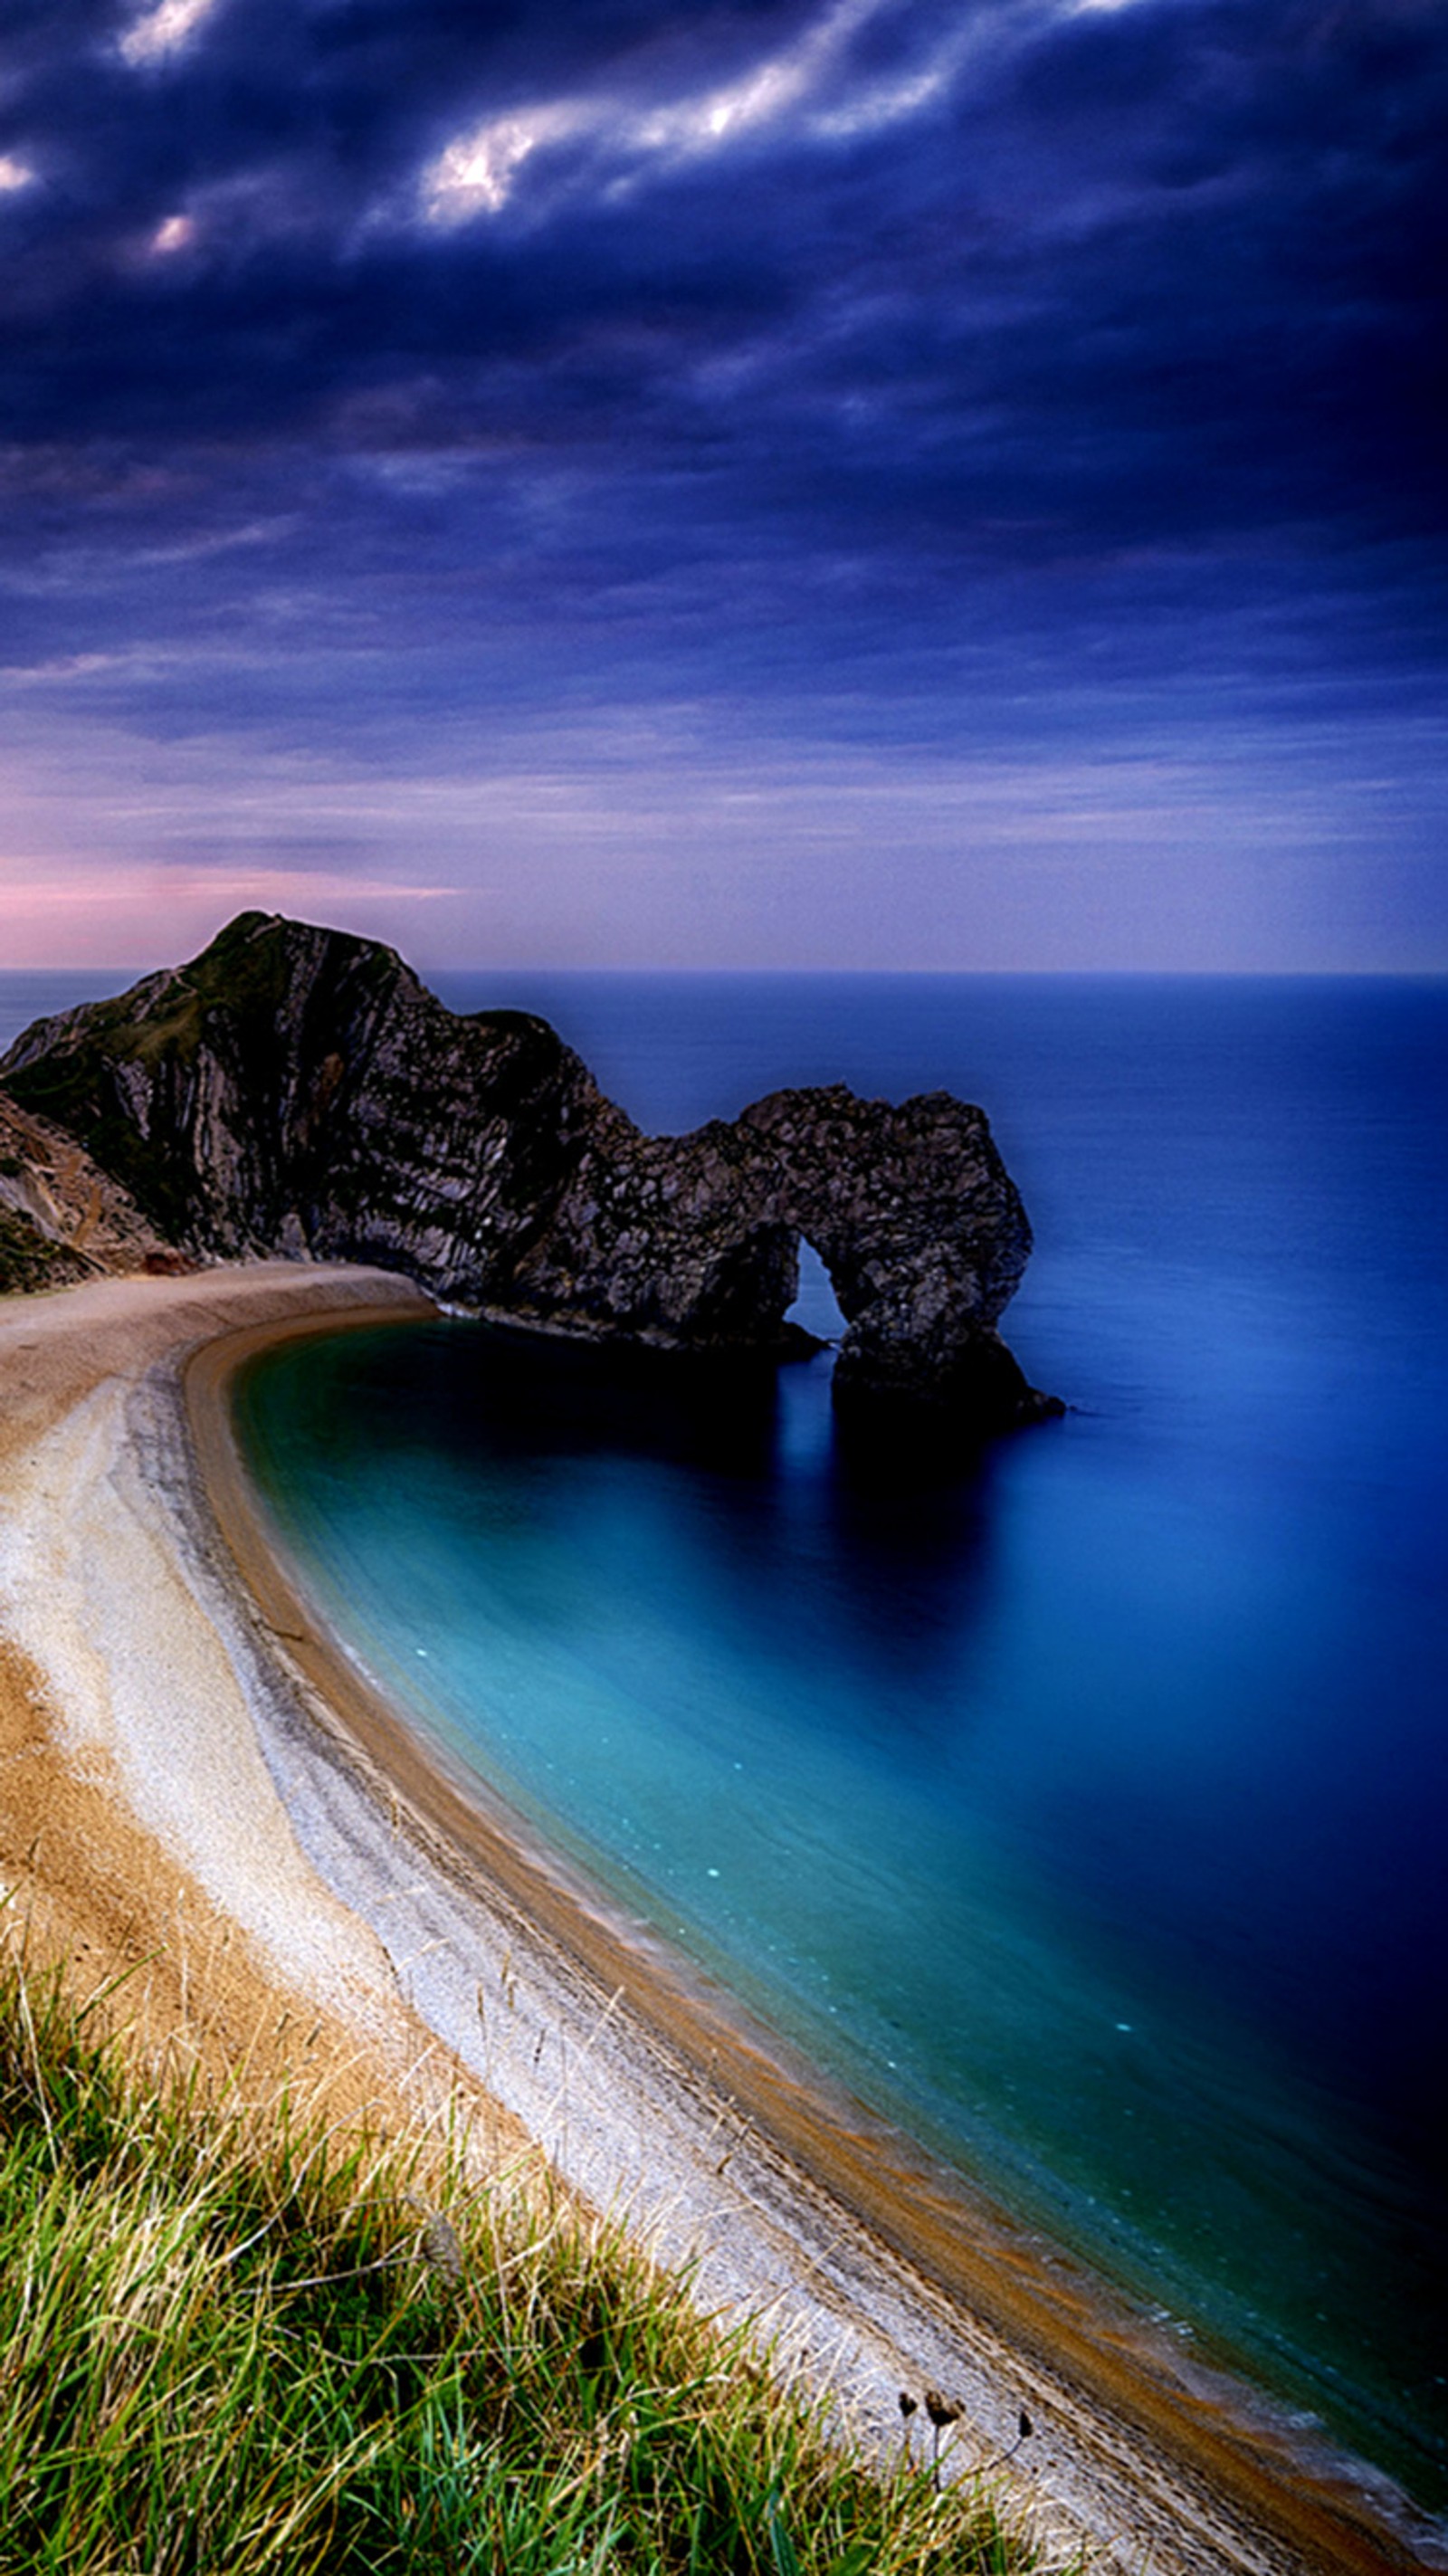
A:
x: 1081, y: 1804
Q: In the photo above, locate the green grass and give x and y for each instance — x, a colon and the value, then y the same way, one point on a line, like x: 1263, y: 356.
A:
x: 237, y: 2344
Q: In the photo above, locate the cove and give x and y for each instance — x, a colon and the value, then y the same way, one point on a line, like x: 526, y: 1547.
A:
x: 1075, y: 1805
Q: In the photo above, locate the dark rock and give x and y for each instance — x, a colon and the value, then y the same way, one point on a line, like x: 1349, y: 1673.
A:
x: 295, y: 1090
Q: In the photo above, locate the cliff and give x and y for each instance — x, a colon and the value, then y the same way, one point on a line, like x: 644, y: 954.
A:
x: 62, y: 1218
x: 299, y: 1091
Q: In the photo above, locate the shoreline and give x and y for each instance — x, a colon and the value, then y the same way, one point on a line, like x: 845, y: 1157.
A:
x: 653, y: 2095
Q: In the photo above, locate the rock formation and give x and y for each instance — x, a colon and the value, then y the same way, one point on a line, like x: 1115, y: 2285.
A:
x: 62, y: 1218
x: 296, y: 1090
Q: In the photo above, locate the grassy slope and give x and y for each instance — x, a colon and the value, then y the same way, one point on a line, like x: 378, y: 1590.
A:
x: 225, y: 2345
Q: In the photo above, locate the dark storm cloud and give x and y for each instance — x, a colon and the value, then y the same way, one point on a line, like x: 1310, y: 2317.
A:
x: 1115, y: 218
x: 861, y: 365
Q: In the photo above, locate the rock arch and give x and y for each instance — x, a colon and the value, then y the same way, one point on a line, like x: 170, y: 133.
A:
x: 296, y: 1090
x: 694, y: 1241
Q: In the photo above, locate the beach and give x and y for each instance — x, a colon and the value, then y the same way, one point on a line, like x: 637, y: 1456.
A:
x: 205, y: 1791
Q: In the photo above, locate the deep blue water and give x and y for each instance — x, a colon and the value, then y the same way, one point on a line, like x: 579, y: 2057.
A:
x: 1084, y: 1808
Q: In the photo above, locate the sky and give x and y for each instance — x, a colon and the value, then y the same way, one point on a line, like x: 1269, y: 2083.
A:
x: 794, y: 483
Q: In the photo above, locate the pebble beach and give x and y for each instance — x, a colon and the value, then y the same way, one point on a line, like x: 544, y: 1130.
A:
x: 206, y: 1795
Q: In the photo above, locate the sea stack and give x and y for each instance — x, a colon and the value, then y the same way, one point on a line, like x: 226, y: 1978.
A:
x: 295, y: 1090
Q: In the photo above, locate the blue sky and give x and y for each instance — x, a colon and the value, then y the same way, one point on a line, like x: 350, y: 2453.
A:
x: 872, y: 483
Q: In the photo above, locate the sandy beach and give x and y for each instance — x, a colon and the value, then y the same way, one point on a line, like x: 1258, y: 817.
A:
x: 203, y: 1790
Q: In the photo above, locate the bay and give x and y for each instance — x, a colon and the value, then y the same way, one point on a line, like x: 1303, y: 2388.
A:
x: 1082, y: 1808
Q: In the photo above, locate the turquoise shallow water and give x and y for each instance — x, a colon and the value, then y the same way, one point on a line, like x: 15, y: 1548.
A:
x: 1083, y: 1808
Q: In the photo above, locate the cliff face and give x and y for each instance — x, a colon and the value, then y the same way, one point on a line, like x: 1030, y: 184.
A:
x: 696, y: 1238
x: 62, y: 1218
x: 295, y: 1090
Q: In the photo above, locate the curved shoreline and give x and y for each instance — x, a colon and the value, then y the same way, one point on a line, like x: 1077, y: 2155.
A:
x: 656, y: 2095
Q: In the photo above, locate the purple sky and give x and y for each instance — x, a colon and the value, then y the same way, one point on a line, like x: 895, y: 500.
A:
x: 588, y: 482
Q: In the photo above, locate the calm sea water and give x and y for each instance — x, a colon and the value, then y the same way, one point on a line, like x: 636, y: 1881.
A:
x: 34, y: 993
x: 1083, y: 1809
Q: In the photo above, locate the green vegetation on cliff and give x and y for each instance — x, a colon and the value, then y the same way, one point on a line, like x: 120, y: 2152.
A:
x: 295, y: 1090
x: 228, y: 2345
x: 151, y: 1042
x: 28, y: 1260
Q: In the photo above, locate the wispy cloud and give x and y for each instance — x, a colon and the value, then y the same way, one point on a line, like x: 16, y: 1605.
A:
x: 176, y: 233
x: 278, y: 888
x: 584, y: 406
x: 163, y: 29
x: 811, y: 89
x: 65, y: 666
x: 476, y: 174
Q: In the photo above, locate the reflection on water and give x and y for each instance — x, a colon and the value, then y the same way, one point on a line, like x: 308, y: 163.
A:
x: 803, y: 1718
x: 1080, y: 1805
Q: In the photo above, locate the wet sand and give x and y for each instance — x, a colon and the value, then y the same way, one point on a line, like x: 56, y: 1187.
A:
x: 167, y: 1663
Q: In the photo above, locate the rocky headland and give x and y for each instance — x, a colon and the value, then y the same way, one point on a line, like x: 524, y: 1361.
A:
x: 298, y: 1091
